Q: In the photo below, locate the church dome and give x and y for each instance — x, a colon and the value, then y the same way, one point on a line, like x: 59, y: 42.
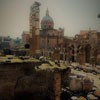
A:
x: 47, y: 21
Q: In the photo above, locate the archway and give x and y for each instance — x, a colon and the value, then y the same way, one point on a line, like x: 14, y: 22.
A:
x: 73, y: 57
x: 61, y: 56
x: 97, y: 56
x: 98, y: 59
x: 72, y: 53
x: 87, y: 53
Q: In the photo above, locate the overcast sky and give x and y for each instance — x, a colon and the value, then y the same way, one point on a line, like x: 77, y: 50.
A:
x: 72, y: 15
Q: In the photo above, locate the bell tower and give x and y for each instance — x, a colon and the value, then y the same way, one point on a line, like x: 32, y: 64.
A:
x: 34, y: 29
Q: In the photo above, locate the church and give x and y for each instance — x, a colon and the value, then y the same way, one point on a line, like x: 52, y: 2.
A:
x: 48, y: 37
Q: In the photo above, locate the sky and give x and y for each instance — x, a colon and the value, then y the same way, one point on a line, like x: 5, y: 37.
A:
x: 72, y: 15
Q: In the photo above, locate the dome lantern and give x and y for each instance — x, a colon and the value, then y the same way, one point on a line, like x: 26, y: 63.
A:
x: 47, y: 12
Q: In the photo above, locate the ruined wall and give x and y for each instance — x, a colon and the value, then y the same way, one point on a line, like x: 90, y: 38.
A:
x: 9, y: 74
x: 17, y: 84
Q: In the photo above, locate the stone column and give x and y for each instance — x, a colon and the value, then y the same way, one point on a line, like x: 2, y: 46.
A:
x: 64, y: 56
x: 57, y: 84
x: 75, y: 54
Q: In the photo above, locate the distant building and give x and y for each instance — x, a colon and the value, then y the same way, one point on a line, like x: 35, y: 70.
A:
x: 25, y: 37
x: 17, y: 43
x: 5, y: 42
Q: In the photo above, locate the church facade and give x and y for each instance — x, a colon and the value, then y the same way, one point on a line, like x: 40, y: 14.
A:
x: 50, y: 38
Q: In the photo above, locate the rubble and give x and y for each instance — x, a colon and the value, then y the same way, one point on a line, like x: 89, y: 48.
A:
x: 83, y: 84
x: 87, y: 84
x: 97, y: 93
x: 91, y: 97
x: 74, y: 98
x: 81, y: 98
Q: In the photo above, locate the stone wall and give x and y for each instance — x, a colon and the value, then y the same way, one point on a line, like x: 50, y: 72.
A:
x: 20, y: 81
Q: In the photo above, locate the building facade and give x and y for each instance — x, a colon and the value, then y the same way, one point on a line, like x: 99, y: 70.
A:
x: 85, y: 47
x: 50, y: 38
